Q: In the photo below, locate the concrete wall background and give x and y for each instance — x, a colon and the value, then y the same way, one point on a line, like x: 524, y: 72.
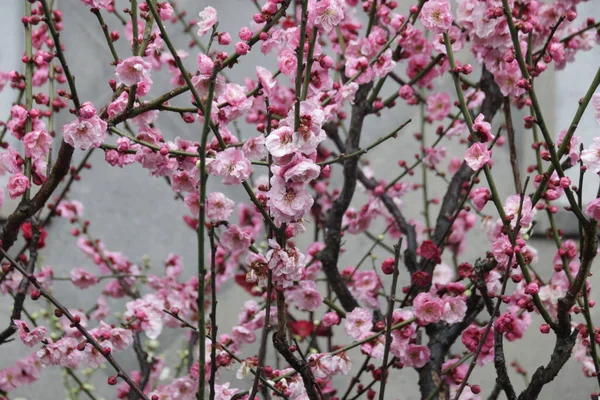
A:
x: 135, y: 213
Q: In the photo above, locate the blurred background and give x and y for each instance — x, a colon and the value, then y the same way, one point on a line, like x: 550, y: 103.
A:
x: 137, y: 214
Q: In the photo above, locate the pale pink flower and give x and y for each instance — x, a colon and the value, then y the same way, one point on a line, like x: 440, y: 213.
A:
x: 222, y: 392
x: 358, y: 322
x: 241, y: 334
x: 218, y: 207
x: 17, y: 185
x: 82, y: 278
x: 280, y: 142
x: 286, y: 264
x: 85, y: 133
x: 305, y: 296
x: 428, y: 309
x: 480, y: 197
x: 438, y: 106
x: 436, y: 16
x: 416, y: 356
x: 443, y: 274
x: 254, y: 148
x: 455, y: 309
x: 289, y: 202
x: 29, y: 337
x: 596, y: 104
x: 326, y: 14
x: 69, y: 209
x: 37, y: 144
x: 477, y: 156
x: 235, y: 239
x: 303, y: 171
x: 591, y: 155
x: 266, y: 80
x: 101, y: 4
x: 593, y: 209
x: 512, y: 207
x: 234, y: 95
x: 208, y: 18
x: 149, y: 312
x: 133, y: 70
x: 231, y: 165
x: 503, y: 250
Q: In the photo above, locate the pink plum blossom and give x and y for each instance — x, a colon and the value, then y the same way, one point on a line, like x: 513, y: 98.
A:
x: 593, y: 209
x: 231, y: 165
x: 428, y: 309
x: 17, y: 185
x: 133, y: 70
x: 29, y: 337
x: 208, y: 18
x: 436, y: 16
x: 358, y: 322
x: 85, y: 133
x: 477, y: 156
x: 218, y: 207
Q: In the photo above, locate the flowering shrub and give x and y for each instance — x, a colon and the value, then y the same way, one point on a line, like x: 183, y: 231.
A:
x: 321, y: 319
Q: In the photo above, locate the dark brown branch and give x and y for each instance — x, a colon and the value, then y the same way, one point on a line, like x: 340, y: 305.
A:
x: 510, y: 133
x: 262, y: 352
x: 502, y: 378
x: 333, y: 227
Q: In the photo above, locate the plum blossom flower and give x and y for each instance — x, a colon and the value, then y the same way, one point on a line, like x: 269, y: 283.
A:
x: 480, y: 196
x: 286, y: 264
x: 147, y: 311
x: 280, y: 142
x: 288, y: 202
x: 512, y: 208
x: 438, y: 106
x: 85, y: 133
x: 231, y: 165
x: 17, y: 185
x: 596, y: 105
x: 218, y: 207
x: 416, y: 356
x: 436, y: 16
x: 358, y: 322
x: 235, y: 239
x: 37, y: 143
x: 593, y: 209
x: 591, y: 155
x: 305, y: 296
x: 82, y: 278
x: 455, y: 309
x: 208, y: 18
x: 428, y: 309
x: 100, y: 4
x: 477, y: 156
x: 133, y: 70
x: 29, y: 337
x: 326, y: 14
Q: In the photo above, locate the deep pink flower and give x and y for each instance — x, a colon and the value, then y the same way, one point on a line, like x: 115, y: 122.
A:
x: 37, y: 144
x: 477, y: 156
x: 17, y: 185
x: 436, y: 16
x: 330, y: 319
x: 29, y: 337
x: 358, y: 322
x: 428, y: 309
x: 288, y: 62
x: 208, y: 18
